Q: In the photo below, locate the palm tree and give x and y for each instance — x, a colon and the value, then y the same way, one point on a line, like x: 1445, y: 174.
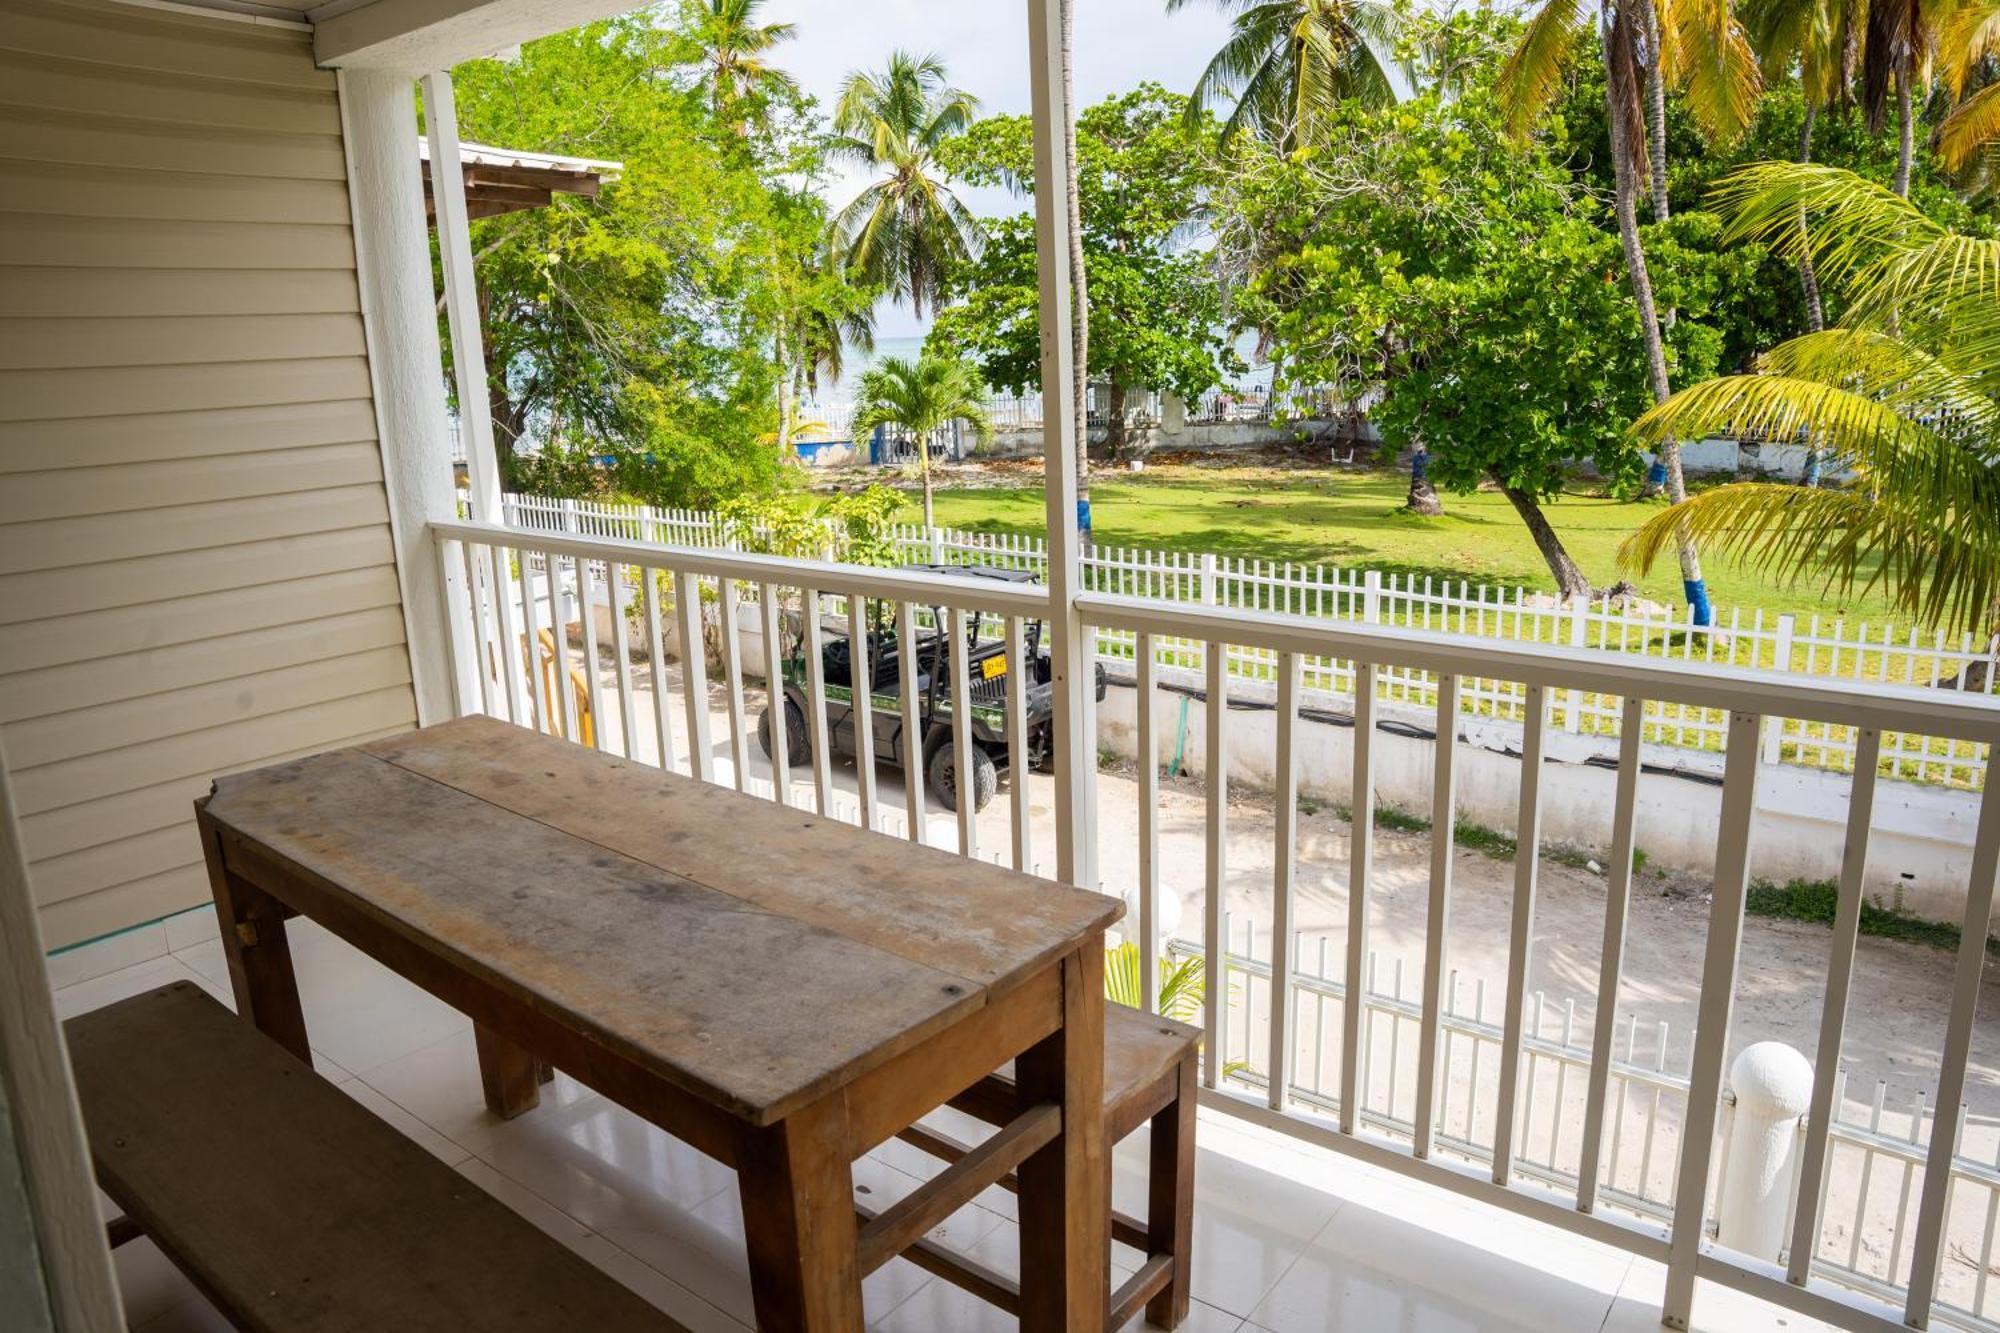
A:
x: 1969, y: 37
x: 1905, y: 388
x: 904, y: 231
x: 1287, y: 63
x: 920, y: 398
x: 1721, y: 90
x: 1819, y: 39
x: 1898, y: 51
x: 733, y: 49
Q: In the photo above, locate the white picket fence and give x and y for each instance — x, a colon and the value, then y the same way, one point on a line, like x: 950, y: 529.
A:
x: 1814, y: 645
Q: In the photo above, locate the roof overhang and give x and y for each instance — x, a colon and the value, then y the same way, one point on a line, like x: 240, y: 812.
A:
x: 507, y: 180
x: 418, y: 36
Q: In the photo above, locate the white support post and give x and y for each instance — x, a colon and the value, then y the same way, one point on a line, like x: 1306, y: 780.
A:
x: 399, y: 318
x: 461, y: 298
x: 1371, y: 596
x: 1068, y: 655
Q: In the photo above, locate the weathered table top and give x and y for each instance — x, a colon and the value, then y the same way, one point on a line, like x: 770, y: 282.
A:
x: 754, y: 955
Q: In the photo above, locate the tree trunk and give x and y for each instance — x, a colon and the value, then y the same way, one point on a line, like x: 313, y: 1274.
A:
x: 1423, y: 497
x: 1808, y: 279
x: 1906, y: 145
x: 1114, y: 422
x: 924, y: 474
x: 787, y: 393
x: 1570, y: 581
x: 507, y: 426
x: 1649, y: 324
x: 1078, y: 281
x: 1656, y: 114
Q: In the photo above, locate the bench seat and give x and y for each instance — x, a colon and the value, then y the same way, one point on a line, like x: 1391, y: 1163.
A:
x: 293, y: 1207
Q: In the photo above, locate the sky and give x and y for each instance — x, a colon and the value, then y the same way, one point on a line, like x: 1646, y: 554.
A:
x: 984, y: 44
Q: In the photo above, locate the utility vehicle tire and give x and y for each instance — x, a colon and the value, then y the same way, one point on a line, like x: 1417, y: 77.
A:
x: 798, y: 746
x: 941, y: 772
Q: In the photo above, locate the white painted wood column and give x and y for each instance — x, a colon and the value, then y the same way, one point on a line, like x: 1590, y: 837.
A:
x: 378, y: 114
x: 461, y: 298
x: 1074, y: 678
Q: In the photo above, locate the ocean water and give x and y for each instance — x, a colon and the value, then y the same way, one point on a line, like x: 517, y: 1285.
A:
x: 856, y: 361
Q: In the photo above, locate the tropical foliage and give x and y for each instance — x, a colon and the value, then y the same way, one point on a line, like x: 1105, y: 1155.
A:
x: 1180, y: 988
x: 905, y: 230
x: 1287, y: 65
x: 1143, y: 182
x: 920, y: 398
x: 1905, y: 390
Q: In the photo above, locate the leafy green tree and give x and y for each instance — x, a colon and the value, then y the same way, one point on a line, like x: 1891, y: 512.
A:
x: 1287, y: 63
x: 1141, y: 182
x: 1906, y: 388
x: 638, y: 327
x: 733, y: 50
x: 920, y: 398
x: 906, y: 229
x: 1633, y: 38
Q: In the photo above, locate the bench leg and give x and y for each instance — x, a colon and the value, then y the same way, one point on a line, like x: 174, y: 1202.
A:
x: 254, y: 945
x: 797, y: 1188
x: 1170, y: 1198
x: 1066, y: 1187
x: 509, y: 1075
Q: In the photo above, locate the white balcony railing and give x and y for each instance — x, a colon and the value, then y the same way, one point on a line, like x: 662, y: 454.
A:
x: 1564, y: 1120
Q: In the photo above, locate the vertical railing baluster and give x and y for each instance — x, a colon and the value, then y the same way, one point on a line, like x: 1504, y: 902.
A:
x: 1928, y: 1249
x: 628, y: 723
x: 861, y: 708
x: 1148, y: 756
x: 1437, y: 922
x: 729, y: 618
x: 1360, y: 869
x: 912, y: 728
x: 586, y: 602
x: 1215, y: 967
x: 965, y: 780
x: 560, y: 678
x: 481, y: 700
x: 656, y: 662
x: 507, y: 645
x: 694, y: 674
x: 1284, y: 860
x: 1018, y: 667
x: 1718, y: 994
x: 1833, y: 1011
x: 775, y: 699
x: 530, y: 614
x: 817, y: 738
x: 1527, y: 858
x: 1611, y: 960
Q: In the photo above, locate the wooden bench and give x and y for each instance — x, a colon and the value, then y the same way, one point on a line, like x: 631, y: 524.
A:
x: 293, y: 1207
x: 1149, y: 1075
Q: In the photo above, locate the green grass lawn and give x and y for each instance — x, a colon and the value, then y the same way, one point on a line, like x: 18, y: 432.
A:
x: 1355, y: 518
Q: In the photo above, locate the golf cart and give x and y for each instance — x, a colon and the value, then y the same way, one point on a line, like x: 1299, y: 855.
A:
x: 986, y: 671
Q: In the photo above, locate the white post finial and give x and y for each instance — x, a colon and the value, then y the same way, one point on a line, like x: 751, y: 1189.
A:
x: 1773, y: 1085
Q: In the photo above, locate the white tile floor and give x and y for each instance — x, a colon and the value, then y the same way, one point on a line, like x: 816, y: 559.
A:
x: 1288, y: 1239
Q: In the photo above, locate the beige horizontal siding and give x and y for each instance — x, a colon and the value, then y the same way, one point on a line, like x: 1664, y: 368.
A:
x: 99, y: 441
x: 131, y: 293
x: 196, y: 573
x: 96, y: 138
x: 184, y: 196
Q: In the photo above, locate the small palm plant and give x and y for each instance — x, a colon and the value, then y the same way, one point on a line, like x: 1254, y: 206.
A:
x: 1905, y: 390
x: 1181, y: 990
x: 920, y: 398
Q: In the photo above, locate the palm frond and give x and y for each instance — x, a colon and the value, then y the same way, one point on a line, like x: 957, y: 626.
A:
x: 1715, y: 66
x: 1970, y: 130
x: 1855, y: 222
x: 1534, y: 70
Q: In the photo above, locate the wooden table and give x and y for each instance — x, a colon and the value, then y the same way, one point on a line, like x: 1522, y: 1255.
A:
x: 780, y: 990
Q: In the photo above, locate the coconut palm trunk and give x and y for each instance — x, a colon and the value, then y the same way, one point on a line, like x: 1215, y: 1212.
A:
x: 1625, y: 166
x: 1656, y: 113
x: 1906, y: 132
x: 1078, y: 281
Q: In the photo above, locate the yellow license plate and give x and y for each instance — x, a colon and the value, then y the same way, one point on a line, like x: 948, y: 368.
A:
x: 993, y: 666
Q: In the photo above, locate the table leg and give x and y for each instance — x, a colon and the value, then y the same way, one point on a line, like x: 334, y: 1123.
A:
x: 1065, y: 1203
x: 1170, y: 1198
x: 797, y: 1186
x: 510, y: 1076
x: 252, y: 923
